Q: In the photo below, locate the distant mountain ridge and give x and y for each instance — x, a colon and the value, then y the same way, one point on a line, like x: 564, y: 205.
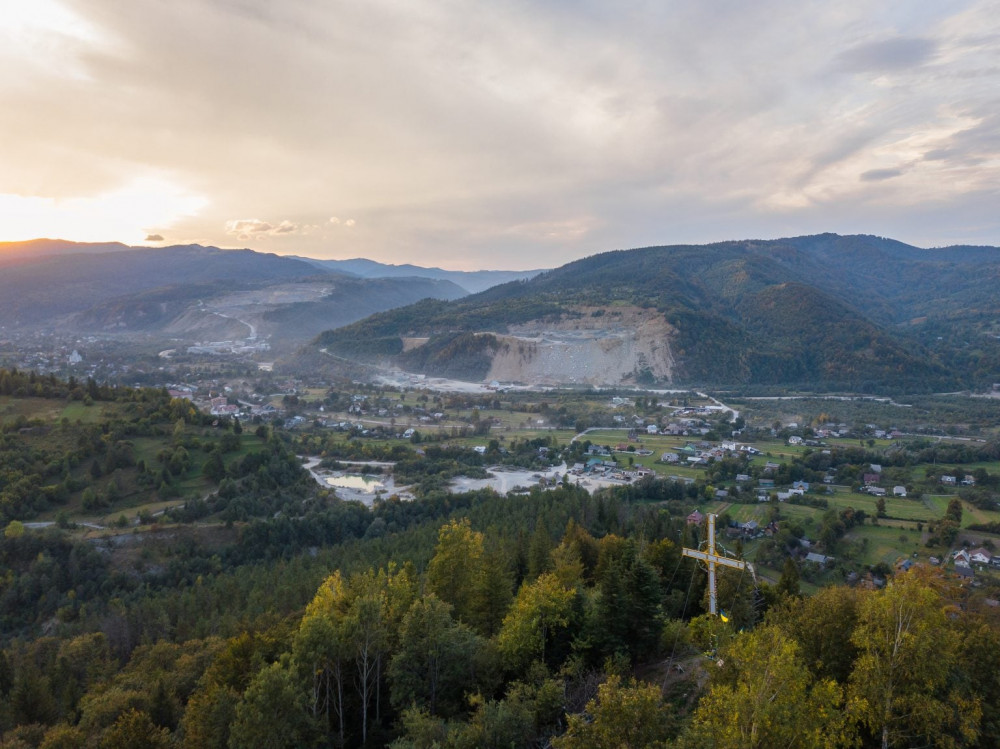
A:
x: 471, y: 281
x: 40, y: 247
x: 829, y: 311
x: 189, y: 291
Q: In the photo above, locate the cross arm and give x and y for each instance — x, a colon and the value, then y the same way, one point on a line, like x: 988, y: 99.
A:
x: 706, y: 557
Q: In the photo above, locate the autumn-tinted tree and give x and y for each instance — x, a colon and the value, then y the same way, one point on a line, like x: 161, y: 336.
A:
x: 765, y: 697
x: 623, y: 716
x: 902, y: 688
x: 541, y: 613
x: 455, y: 572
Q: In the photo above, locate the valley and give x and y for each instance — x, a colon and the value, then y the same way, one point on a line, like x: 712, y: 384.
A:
x: 208, y: 468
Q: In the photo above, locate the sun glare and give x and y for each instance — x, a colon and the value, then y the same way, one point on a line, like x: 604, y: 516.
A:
x: 19, y: 18
x: 126, y: 215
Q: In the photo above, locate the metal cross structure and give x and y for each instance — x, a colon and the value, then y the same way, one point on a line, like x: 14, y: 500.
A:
x: 712, y: 559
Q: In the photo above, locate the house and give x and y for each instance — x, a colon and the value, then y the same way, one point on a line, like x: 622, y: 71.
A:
x: 961, y: 558
x: 969, y: 480
x: 905, y: 565
x: 875, y: 467
x: 695, y: 518
x: 980, y: 556
x: 770, y: 467
x: 750, y: 527
x: 766, y: 483
x: 800, y: 486
x: 964, y: 572
x: 794, y: 440
x: 721, y: 494
x: 899, y: 491
x: 819, y: 559
x: 652, y: 429
x: 870, y: 479
x: 670, y: 458
x: 876, y: 491
x: 742, y: 478
x: 949, y: 480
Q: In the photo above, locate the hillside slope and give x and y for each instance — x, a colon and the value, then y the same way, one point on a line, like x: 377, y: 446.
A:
x: 855, y: 313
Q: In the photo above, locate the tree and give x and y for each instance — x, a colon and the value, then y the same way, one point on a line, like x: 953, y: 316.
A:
x: 64, y: 737
x: 980, y: 662
x: 539, y: 550
x: 541, y: 610
x: 273, y: 713
x: 954, y: 511
x: 627, y: 615
x: 622, y: 715
x: 378, y: 602
x: 214, y: 468
x: 135, y: 730
x: 822, y: 625
x: 901, y: 686
x: 323, y: 650
x: 788, y: 583
x: 764, y: 697
x: 494, y: 594
x: 211, y: 709
x: 455, y: 572
x: 434, y: 664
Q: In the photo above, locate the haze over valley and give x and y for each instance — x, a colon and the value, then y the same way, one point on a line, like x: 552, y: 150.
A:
x: 455, y: 375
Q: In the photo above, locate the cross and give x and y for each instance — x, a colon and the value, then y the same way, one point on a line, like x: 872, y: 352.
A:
x: 712, y: 559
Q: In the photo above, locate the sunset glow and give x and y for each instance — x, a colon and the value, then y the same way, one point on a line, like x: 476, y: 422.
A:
x: 126, y: 215
x: 476, y: 134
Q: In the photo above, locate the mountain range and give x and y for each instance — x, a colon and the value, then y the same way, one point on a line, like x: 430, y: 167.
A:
x: 858, y: 313
x: 472, y: 281
x: 204, y: 293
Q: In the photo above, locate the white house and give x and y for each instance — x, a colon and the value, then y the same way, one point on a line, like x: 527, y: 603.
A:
x: 980, y: 556
x: 899, y: 491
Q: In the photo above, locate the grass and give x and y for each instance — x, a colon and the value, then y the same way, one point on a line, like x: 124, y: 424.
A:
x: 884, y: 543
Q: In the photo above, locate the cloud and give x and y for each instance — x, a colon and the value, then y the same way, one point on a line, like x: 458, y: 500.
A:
x: 249, y: 228
x: 154, y: 238
x: 876, y: 175
x: 505, y: 132
x: 887, y: 55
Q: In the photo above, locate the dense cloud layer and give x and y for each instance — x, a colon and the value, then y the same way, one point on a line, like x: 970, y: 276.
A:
x: 518, y: 135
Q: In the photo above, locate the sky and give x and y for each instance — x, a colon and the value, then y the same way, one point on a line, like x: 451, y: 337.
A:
x: 507, y: 135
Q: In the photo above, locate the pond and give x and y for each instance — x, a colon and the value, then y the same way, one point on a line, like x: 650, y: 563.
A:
x: 356, y: 481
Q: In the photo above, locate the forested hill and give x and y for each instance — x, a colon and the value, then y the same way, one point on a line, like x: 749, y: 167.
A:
x: 189, y: 292
x: 196, y: 588
x: 853, y: 312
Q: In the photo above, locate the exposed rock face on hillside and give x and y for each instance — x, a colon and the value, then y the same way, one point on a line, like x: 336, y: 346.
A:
x: 605, y: 346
